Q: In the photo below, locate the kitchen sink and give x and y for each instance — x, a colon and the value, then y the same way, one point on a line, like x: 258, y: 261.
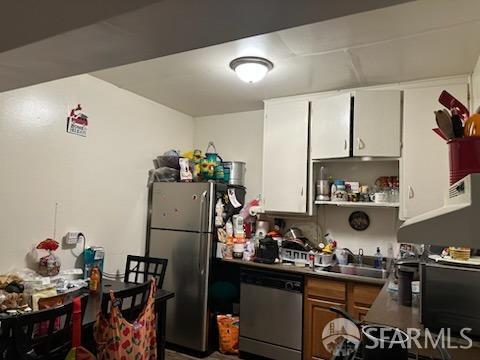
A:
x: 359, y: 270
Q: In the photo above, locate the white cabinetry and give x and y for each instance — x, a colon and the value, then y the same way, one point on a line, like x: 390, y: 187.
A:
x: 331, y: 127
x: 376, y: 123
x: 424, y: 177
x: 285, y: 156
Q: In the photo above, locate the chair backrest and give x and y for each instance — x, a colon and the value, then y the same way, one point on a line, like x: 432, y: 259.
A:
x: 140, y: 269
x: 54, y: 342
x: 131, y: 301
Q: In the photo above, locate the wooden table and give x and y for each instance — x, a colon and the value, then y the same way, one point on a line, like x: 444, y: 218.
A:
x: 94, y: 304
x: 95, y: 301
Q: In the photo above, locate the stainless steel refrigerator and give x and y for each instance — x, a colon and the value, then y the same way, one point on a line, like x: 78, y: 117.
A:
x: 181, y: 228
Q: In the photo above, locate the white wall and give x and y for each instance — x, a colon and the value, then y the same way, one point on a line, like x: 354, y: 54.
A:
x: 237, y: 136
x: 99, y: 182
x: 334, y: 220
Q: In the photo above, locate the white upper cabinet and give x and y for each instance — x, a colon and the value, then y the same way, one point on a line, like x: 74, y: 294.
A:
x: 330, y: 136
x: 285, y: 156
x: 424, y: 176
x: 377, y: 123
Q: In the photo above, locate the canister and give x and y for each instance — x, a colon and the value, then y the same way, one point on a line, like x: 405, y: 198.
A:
x: 237, y: 170
x: 464, y: 157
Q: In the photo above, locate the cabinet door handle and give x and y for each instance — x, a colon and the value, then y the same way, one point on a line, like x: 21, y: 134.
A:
x: 345, y: 143
x: 360, y: 144
x: 301, y: 192
x: 411, y: 193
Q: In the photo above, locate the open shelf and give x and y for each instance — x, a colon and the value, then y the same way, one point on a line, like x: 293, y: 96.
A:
x: 356, y: 159
x: 357, y: 204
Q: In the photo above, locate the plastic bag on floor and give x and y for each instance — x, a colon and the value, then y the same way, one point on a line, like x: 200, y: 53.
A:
x: 228, y: 333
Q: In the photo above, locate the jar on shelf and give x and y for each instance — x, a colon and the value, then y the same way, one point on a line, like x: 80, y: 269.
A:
x: 339, y: 191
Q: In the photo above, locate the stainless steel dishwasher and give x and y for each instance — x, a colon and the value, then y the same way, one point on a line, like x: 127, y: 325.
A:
x: 271, y: 313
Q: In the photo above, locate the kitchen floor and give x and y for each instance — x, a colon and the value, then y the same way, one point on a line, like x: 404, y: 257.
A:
x: 173, y: 355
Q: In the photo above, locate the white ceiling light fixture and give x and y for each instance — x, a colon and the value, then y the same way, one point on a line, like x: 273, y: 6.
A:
x: 251, y: 69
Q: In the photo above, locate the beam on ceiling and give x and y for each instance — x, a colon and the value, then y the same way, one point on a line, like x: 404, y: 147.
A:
x: 51, y: 39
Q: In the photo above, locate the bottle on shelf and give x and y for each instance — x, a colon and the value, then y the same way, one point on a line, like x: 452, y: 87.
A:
x: 378, y: 259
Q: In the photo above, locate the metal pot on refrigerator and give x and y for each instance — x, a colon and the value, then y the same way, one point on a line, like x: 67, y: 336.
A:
x: 237, y: 170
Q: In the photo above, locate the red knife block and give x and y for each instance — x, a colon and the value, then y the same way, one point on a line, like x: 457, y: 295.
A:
x: 464, y: 157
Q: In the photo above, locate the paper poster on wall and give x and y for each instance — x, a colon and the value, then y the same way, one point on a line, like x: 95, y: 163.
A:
x: 77, y: 122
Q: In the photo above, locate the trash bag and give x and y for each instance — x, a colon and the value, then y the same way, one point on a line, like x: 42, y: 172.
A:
x: 167, y: 174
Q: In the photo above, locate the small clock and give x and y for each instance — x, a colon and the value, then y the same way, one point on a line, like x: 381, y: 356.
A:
x: 359, y: 220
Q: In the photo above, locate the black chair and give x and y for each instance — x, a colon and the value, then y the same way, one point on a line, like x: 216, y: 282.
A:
x: 6, y: 337
x: 140, y: 269
x: 53, y: 342
x: 131, y: 301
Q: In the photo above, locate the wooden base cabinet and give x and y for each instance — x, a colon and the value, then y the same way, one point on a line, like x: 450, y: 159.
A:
x: 317, y: 315
x: 360, y: 298
x: 320, y: 295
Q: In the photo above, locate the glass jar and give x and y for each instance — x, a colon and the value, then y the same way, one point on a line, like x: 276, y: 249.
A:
x: 394, y: 196
x: 340, y: 193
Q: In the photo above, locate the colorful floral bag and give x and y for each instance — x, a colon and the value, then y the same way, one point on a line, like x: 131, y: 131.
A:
x: 119, y: 339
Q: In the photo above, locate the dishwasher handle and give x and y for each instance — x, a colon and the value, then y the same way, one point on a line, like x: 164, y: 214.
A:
x: 273, y: 279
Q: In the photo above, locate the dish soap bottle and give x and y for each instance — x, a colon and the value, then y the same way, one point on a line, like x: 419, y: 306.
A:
x: 378, y: 259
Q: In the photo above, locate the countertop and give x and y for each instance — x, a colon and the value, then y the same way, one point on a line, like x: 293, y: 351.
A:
x: 387, y: 311
x: 306, y: 271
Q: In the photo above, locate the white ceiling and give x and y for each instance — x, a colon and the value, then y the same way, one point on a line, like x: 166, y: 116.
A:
x: 48, y: 40
x: 416, y: 40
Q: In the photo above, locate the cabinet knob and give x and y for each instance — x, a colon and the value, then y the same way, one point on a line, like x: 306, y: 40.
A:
x: 360, y: 144
x: 411, y: 193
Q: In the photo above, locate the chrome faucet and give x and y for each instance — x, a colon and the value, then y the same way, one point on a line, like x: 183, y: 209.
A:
x: 356, y: 258
x: 360, y: 256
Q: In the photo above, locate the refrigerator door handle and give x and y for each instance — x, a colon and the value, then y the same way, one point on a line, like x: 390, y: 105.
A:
x: 202, y: 243
x: 201, y: 255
